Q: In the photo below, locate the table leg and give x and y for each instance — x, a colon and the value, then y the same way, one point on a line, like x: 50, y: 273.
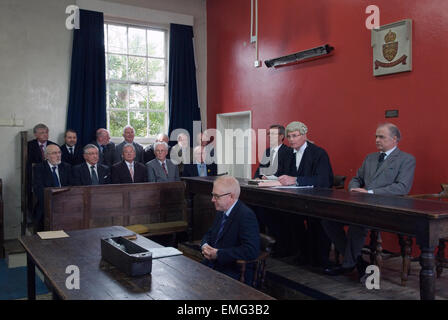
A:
x: 31, y: 277
x: 427, y: 273
x: 190, y: 214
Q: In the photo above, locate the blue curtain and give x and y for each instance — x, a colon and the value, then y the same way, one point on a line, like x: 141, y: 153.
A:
x: 87, y: 99
x: 183, y: 96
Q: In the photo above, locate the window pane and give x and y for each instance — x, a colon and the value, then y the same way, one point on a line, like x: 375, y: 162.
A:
x: 105, y: 37
x: 118, y: 120
x: 156, y: 123
x: 156, y: 70
x: 139, y: 96
x: 156, y: 43
x: 157, y: 98
x: 117, y: 39
x: 137, y: 41
x: 138, y: 120
x: 118, y: 95
x: 137, y: 69
x: 117, y: 67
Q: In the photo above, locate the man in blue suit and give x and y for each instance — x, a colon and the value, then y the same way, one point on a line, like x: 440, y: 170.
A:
x: 199, y: 168
x: 310, y: 166
x: 234, y: 234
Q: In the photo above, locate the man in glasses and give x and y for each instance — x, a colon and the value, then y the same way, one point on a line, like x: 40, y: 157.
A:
x: 234, y: 234
x: 50, y: 173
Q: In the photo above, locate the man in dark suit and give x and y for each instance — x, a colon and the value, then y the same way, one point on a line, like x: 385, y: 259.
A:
x: 199, y: 168
x: 71, y: 151
x: 149, y: 153
x: 234, y: 234
x: 90, y: 172
x: 36, y: 154
x: 129, y: 135
x: 310, y: 167
x: 276, y: 159
x: 388, y: 172
x: 128, y: 170
x: 49, y: 173
x: 105, y: 147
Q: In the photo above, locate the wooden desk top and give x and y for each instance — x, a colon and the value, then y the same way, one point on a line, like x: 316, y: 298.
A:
x: 172, y: 278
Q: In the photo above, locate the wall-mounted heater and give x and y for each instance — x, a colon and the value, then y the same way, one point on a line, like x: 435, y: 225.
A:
x: 300, y: 57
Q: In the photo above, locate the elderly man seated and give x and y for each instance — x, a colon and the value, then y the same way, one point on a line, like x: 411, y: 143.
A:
x: 234, y: 234
x: 162, y: 169
x: 128, y: 170
x: 90, y: 172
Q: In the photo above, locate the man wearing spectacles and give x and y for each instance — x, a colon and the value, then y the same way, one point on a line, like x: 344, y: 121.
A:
x: 90, y: 172
x: 234, y: 234
x: 50, y: 173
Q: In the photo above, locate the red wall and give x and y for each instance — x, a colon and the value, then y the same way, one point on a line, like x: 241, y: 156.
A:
x: 337, y: 97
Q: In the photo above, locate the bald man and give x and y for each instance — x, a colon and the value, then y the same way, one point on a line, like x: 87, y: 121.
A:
x: 234, y: 234
x: 105, y: 147
x: 50, y: 173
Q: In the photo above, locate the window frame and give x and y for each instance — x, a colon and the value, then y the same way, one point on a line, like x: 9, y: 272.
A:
x: 129, y: 83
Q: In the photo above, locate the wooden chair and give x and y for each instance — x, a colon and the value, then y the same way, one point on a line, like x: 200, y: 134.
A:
x: 266, y: 245
x: 441, y: 261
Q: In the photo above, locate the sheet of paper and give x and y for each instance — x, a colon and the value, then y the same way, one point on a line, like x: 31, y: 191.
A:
x: 52, y: 234
x: 164, y: 252
x: 293, y: 187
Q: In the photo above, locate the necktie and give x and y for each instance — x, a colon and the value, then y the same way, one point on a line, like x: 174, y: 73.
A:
x: 42, y: 151
x: 95, y: 180
x: 221, y: 228
x: 131, y: 171
x: 164, y: 168
x: 380, y: 160
x: 55, y: 177
x: 71, y: 150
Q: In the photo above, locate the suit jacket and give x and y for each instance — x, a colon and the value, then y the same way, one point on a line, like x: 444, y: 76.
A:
x: 149, y: 154
x: 81, y: 174
x: 315, y: 168
x: 120, y: 173
x: 394, y: 176
x: 156, y: 173
x: 138, y: 151
x: 108, y: 156
x: 43, y: 178
x: 76, y: 158
x: 279, y: 167
x: 191, y: 170
x: 239, y: 240
x: 34, y: 153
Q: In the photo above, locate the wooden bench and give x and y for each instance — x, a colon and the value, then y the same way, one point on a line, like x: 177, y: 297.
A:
x: 146, y: 208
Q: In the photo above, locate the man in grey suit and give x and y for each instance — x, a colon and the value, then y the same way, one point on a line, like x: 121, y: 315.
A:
x: 128, y: 135
x: 388, y: 172
x: 162, y: 169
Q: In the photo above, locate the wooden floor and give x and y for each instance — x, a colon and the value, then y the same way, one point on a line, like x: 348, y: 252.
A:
x: 288, y: 281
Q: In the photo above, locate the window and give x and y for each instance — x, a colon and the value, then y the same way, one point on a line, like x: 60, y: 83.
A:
x: 136, y: 73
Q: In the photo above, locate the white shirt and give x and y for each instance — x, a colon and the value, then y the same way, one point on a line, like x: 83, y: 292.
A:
x: 57, y: 169
x: 68, y: 148
x: 299, y: 154
x: 166, y: 167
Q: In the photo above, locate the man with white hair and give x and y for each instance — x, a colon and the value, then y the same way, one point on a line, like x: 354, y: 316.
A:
x: 234, y: 234
x: 149, y: 150
x: 162, y: 169
x: 49, y: 173
x: 310, y: 166
x: 129, y: 135
x: 128, y: 170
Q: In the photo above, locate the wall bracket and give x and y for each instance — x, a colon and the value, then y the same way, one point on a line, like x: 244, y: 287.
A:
x: 300, y: 57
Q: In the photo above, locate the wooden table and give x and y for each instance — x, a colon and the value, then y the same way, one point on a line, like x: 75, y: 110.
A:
x: 426, y: 220
x: 173, y: 278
